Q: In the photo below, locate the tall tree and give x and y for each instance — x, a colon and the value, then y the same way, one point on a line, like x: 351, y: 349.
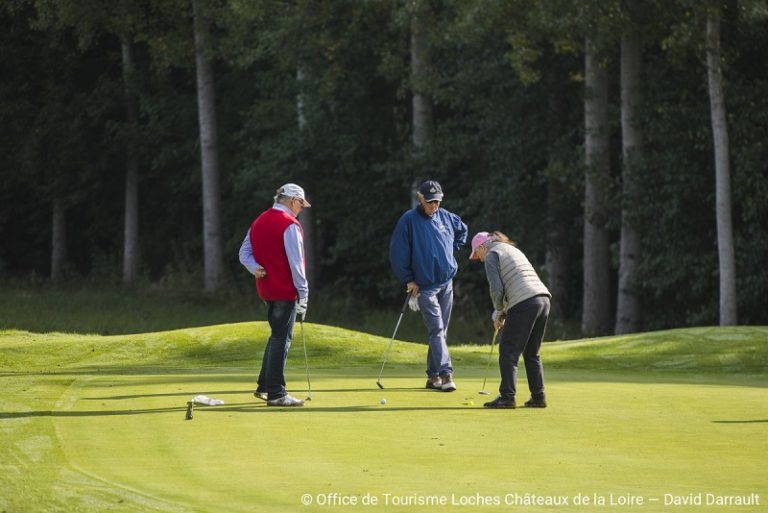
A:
x: 557, y: 253
x: 58, y: 237
x: 305, y: 216
x: 628, y: 311
x: 131, y: 216
x: 421, y: 101
x: 209, y: 150
x: 725, y: 249
x: 90, y: 22
x: 596, y: 305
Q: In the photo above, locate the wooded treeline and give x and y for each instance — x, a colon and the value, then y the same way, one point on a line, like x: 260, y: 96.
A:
x: 622, y: 144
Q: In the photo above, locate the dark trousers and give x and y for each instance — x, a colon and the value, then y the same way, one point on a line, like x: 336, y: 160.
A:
x: 522, y: 335
x: 281, y: 316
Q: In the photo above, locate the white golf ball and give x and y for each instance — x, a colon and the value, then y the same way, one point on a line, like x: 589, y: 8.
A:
x: 383, y: 401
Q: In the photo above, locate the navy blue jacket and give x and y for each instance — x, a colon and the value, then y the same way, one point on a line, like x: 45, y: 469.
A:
x: 421, y: 249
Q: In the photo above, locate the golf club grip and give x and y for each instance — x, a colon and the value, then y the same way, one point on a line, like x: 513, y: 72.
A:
x: 405, y: 304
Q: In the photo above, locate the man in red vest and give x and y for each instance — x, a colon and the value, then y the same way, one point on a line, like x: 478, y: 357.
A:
x: 273, y: 251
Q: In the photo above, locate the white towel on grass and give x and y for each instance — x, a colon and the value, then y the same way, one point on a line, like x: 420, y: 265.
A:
x: 208, y: 401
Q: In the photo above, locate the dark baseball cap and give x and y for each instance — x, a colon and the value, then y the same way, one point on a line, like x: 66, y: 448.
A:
x: 431, y: 191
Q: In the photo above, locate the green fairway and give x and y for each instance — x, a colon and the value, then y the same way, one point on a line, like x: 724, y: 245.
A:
x: 97, y: 423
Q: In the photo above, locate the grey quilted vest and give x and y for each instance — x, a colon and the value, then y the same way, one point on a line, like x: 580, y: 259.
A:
x: 517, y: 275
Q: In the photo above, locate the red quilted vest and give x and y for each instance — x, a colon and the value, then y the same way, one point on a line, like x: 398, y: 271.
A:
x: 266, y: 237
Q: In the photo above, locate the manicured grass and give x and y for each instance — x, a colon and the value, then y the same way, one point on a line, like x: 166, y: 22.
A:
x: 94, y: 423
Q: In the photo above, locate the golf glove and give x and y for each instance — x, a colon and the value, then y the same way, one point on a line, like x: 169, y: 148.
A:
x: 413, y: 303
x: 301, y: 307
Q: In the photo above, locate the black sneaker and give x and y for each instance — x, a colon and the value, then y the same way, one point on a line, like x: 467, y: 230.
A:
x: 536, y: 402
x: 500, y: 402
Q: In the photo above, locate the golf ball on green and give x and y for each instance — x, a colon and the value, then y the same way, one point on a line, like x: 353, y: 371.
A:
x: 383, y: 401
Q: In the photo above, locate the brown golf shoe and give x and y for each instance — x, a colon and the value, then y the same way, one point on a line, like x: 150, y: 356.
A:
x: 447, y: 383
x: 435, y: 383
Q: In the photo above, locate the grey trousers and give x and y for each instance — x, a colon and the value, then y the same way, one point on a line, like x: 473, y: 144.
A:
x: 436, y: 306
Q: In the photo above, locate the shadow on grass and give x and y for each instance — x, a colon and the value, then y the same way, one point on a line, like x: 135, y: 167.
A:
x: 340, y: 409
x: 249, y: 392
x: 757, y: 421
x: 259, y: 407
x: 102, y: 413
x: 189, y: 375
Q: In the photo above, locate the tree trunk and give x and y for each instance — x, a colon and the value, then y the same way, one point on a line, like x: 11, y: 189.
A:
x: 58, y: 238
x: 131, y: 219
x: 421, y: 101
x: 596, y: 314
x: 305, y: 217
x: 557, y: 254
x: 206, y: 104
x: 628, y: 312
x: 725, y: 249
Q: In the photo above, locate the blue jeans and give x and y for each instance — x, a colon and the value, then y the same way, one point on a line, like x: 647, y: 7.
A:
x: 281, y: 316
x: 522, y: 335
x: 436, y: 306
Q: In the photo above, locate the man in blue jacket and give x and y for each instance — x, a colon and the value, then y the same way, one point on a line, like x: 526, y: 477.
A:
x: 421, y: 255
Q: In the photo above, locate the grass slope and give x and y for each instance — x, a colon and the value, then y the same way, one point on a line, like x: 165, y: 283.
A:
x: 95, y: 423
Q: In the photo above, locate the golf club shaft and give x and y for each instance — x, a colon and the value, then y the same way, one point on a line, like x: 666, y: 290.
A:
x: 306, y: 360
x: 386, y: 353
x: 488, y: 363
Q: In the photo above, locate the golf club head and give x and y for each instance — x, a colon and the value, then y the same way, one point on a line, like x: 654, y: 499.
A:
x: 309, y: 398
x: 483, y: 392
x: 380, y: 385
x: 188, y: 415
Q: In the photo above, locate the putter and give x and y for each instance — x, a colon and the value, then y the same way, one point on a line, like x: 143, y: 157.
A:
x: 386, y: 353
x: 306, y: 361
x: 488, y: 364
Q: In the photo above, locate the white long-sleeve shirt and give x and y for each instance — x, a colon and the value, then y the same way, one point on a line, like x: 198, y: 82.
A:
x: 294, y: 249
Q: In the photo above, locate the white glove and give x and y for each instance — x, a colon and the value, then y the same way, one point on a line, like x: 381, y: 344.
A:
x: 301, y: 307
x: 413, y: 303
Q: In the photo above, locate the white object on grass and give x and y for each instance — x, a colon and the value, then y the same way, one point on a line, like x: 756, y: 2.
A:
x: 208, y: 401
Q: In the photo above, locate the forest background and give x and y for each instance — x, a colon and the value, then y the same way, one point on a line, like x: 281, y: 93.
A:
x: 622, y: 144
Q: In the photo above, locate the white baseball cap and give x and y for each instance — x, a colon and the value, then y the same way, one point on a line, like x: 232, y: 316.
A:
x: 293, y: 191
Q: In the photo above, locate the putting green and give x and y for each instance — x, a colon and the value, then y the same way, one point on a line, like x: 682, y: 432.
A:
x: 116, y: 439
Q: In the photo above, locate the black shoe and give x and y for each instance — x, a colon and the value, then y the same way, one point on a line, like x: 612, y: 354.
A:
x: 536, y: 402
x: 500, y: 402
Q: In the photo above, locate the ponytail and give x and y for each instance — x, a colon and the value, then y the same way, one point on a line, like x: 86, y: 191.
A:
x: 503, y: 238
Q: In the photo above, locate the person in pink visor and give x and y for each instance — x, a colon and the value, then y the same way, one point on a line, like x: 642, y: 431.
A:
x: 521, y: 308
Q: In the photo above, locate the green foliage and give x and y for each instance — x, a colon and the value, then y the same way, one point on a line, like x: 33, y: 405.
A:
x: 507, y: 143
